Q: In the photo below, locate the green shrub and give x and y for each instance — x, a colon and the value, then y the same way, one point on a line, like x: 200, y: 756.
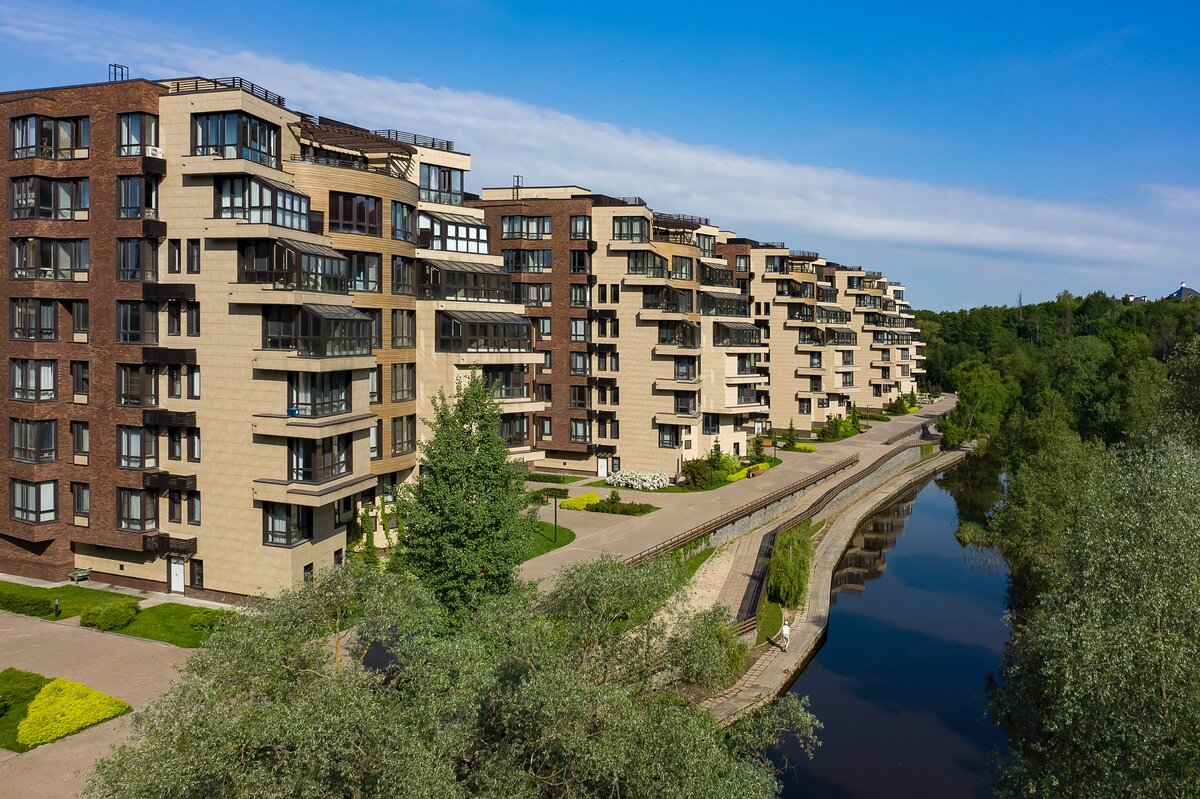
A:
x: 710, y: 656
x: 207, y: 619
x: 17, y: 690
x: 697, y: 473
x: 758, y: 453
x: 836, y: 428
x: 803, y: 448
x: 26, y: 605
x: 790, y: 565
x: 791, y: 436
x: 550, y: 477
x: 770, y: 619
x: 581, y: 502
x: 110, y: 616
x: 613, y: 504
x: 63, y: 708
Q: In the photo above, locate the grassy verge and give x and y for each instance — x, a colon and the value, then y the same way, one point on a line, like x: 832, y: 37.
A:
x: 542, y: 541
x: 72, y: 599
x: 770, y: 619
x: 17, y: 690
x: 170, y: 623
x: 693, y: 563
x: 547, y: 477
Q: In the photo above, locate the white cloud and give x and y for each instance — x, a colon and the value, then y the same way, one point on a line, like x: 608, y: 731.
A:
x: 761, y: 198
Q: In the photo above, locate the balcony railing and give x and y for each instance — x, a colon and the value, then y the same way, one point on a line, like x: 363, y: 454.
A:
x: 685, y: 373
x: 416, y: 139
x: 511, y: 392
x: 341, y: 163
x: 216, y: 84
x: 675, y: 237
x: 647, y: 270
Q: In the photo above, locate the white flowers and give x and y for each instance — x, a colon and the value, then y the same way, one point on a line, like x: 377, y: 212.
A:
x: 638, y: 481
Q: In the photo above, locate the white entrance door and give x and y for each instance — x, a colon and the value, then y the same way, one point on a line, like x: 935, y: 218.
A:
x: 602, y: 467
x: 176, y: 575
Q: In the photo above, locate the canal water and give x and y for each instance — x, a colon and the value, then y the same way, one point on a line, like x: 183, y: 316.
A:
x: 915, y: 628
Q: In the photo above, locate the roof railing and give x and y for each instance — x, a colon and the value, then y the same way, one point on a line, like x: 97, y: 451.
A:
x: 416, y: 139
x: 217, y: 84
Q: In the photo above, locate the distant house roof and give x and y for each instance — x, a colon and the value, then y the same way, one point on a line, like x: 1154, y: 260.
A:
x: 1183, y: 293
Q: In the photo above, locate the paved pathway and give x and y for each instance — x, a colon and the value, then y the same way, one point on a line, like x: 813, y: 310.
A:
x: 598, y: 533
x: 133, y: 669
x: 775, y: 668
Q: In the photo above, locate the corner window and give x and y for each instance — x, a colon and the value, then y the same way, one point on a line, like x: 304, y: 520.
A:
x: 354, y: 213
x: 440, y: 184
x: 33, y: 381
x: 34, y: 503
x: 137, y: 510
x: 136, y: 132
x: 286, y: 525
x: 232, y: 134
x: 47, y: 137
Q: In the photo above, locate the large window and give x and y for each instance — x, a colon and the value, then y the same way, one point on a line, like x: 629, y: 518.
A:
x: 260, y: 202
x: 464, y: 282
x: 320, y: 331
x: 292, y: 265
x: 137, y: 323
x: 404, y: 222
x: 37, y: 197
x: 317, y: 461
x: 354, y: 213
x: 681, y: 267
x: 48, y: 259
x: 137, y: 197
x: 34, y: 502
x: 440, y: 184
x: 364, y: 271
x: 137, y: 385
x: 527, y: 260
x: 631, y: 228
x: 707, y: 245
x: 668, y: 436
x: 33, y: 320
x: 404, y: 329
x: 135, y: 132
x: 404, y: 279
x: 46, y: 137
x: 32, y: 380
x: 137, y: 448
x: 286, y: 525
x: 137, y: 511
x: 34, y: 441
x: 404, y: 382
x: 404, y: 435
x: 453, y: 234
x: 483, y: 332
x: 232, y: 134
x: 318, y: 393
x: 581, y: 227
x: 137, y: 260
x: 525, y: 227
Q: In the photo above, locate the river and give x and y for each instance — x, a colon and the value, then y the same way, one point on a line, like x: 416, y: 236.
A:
x: 915, y: 628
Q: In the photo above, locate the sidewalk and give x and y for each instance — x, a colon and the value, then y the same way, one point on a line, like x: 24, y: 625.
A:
x: 599, y: 533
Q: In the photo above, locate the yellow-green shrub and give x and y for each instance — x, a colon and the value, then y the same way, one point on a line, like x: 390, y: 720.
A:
x: 742, y: 473
x: 804, y: 448
x: 580, y: 502
x: 63, y: 708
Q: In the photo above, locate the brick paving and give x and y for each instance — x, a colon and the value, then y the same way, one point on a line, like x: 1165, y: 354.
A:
x: 133, y: 669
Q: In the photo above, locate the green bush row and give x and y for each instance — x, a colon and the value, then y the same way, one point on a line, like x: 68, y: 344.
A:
x: 26, y: 605
x: 110, y: 616
x: 790, y: 565
x: 547, y: 477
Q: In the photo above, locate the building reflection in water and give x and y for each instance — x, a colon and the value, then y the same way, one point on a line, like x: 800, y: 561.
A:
x: 865, y: 555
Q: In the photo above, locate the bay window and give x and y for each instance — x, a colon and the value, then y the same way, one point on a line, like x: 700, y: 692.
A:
x: 286, y: 525
x: 233, y: 134
x: 354, y: 213
x: 135, y: 132
x: 34, y: 441
x: 33, y: 380
x: 260, y: 201
x: 33, y: 319
x: 440, y: 184
x: 48, y: 259
x: 320, y: 460
x: 34, y: 503
x: 137, y: 510
x: 46, y: 137
x: 137, y: 448
x: 36, y: 197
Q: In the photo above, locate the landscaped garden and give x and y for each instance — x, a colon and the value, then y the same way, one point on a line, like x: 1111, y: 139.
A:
x: 611, y: 504
x: 36, y: 710
x: 544, y: 539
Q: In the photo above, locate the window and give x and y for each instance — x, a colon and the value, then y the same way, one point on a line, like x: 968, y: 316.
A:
x: 580, y: 295
x: 526, y: 260
x: 197, y: 567
x: 707, y: 245
x: 137, y: 197
x: 135, y: 132
x: 48, y: 259
x: 47, y: 137
x: 81, y: 499
x: 374, y: 441
x: 404, y: 329
x: 174, y: 507
x: 374, y: 386
x: 547, y: 360
x: 137, y: 448
x: 354, y: 213
x: 581, y: 262
x: 80, y: 378
x: 137, y: 323
x: 805, y: 406
x: 137, y: 511
x: 193, y: 256
x: 581, y: 227
x: 460, y: 234
x: 631, y: 228
x: 315, y: 394
x: 193, y: 507
x: 580, y: 363
x: 137, y: 259
x: 847, y: 357
x: 193, y: 383
x: 441, y: 184
x: 579, y: 330
x: 259, y: 202
x: 174, y: 310
x: 173, y: 256
x: 614, y: 293
x: 174, y: 443
x: 403, y: 275
x: 174, y: 381
x: 668, y: 436
x: 286, y: 525
x: 524, y: 227
x: 581, y: 432
x: 602, y: 293
x: 543, y: 324
x: 49, y: 198
x: 193, y: 318
x: 376, y: 316
x: 32, y: 380
x: 364, y: 271
x: 711, y: 424
x: 233, y: 134
x: 404, y: 435
x: 404, y: 382
x: 137, y: 385
x: 742, y: 263
x: 80, y: 318
x: 544, y: 424
x: 847, y: 379
x: 34, y: 441
x: 81, y: 439
x: 681, y: 267
x: 34, y: 502
x: 316, y: 461
x: 404, y: 222
x: 33, y: 320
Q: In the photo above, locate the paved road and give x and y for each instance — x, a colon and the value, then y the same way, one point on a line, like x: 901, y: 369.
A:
x: 133, y: 669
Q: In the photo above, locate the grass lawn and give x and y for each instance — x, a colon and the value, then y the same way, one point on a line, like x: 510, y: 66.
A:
x: 72, y: 599
x: 17, y: 690
x: 170, y: 622
x: 543, y: 540
x: 770, y: 619
x: 546, y: 477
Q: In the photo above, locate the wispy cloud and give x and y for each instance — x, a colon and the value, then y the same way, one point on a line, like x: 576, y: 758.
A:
x: 763, y: 198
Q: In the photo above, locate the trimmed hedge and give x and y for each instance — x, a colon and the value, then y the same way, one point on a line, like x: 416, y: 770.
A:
x: 63, y: 708
x: 550, y: 477
x: 26, y: 605
x: 790, y: 566
x: 110, y: 616
x: 581, y: 502
x: 207, y: 619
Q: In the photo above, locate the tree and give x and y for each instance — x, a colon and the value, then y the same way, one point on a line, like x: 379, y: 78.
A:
x: 984, y: 397
x: 579, y: 692
x: 791, y: 437
x: 467, y: 518
x: 758, y: 453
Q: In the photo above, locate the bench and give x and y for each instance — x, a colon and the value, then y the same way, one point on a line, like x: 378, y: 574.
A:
x: 79, y: 574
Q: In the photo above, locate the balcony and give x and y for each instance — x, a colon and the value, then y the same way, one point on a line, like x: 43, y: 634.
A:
x: 675, y: 237
x: 168, y: 544
x: 218, y: 84
x: 165, y: 481
x: 309, y: 494
x: 158, y: 417
x: 737, y: 334
x: 168, y: 356
x: 285, y: 425
x: 164, y: 292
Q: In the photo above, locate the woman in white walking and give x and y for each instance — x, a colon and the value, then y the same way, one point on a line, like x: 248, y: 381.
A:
x: 785, y: 632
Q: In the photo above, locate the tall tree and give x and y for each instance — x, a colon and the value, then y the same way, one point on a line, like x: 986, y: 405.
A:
x: 467, y: 518
x: 984, y: 397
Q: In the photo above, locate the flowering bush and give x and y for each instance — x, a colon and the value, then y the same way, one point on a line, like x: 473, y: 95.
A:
x: 638, y: 481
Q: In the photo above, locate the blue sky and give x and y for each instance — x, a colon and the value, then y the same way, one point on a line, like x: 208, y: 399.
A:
x: 972, y: 152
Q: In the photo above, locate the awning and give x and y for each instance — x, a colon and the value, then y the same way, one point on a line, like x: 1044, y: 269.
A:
x: 312, y: 249
x: 841, y: 331
x: 331, y: 133
x: 464, y: 266
x: 275, y: 184
x: 739, y: 326
x: 491, y: 317
x: 833, y: 306
x: 339, y: 312
x: 457, y: 219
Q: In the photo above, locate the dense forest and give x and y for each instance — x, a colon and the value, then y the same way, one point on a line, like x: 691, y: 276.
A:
x: 1090, y: 406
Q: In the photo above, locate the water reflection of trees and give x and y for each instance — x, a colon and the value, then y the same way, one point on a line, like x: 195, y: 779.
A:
x: 864, y: 557
x: 975, y: 486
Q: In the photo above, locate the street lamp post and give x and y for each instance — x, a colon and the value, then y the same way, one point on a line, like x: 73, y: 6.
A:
x: 556, y: 494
